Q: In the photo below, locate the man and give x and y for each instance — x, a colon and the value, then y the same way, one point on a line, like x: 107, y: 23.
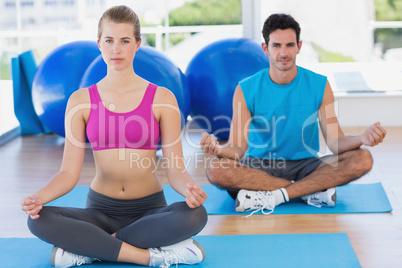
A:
x: 271, y: 155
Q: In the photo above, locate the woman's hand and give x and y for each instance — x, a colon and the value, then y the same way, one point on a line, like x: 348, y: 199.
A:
x: 195, y: 195
x: 31, y: 205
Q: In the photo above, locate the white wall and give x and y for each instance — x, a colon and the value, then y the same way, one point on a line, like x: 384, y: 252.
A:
x: 336, y: 25
x: 363, y: 110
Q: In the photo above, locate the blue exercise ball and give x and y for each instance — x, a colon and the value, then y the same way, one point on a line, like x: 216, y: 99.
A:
x: 57, y: 77
x: 152, y: 66
x: 213, y: 74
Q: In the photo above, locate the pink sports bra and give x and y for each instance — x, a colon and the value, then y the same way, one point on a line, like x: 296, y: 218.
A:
x: 137, y: 129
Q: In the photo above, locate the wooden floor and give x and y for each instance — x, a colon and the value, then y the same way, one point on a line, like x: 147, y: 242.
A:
x: 27, y: 163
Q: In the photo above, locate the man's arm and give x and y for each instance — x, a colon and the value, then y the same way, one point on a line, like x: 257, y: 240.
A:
x: 337, y: 142
x: 236, y: 146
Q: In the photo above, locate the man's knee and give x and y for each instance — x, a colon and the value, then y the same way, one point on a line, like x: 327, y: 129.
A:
x: 362, y: 161
x: 214, y: 172
x: 366, y: 160
x: 218, y: 170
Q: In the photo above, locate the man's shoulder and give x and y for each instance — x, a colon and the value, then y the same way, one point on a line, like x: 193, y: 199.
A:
x: 254, y: 78
x: 308, y: 72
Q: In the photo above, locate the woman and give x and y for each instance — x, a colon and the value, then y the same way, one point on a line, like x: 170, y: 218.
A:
x: 126, y: 218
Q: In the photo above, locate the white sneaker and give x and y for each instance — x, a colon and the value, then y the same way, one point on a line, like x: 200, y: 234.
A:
x: 326, y: 198
x: 255, y: 200
x: 188, y: 251
x: 60, y: 258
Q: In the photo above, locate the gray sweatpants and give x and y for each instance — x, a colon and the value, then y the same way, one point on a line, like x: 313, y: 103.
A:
x: 144, y: 222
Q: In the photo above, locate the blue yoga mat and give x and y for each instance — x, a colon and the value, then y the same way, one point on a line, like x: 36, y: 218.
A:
x: 331, y: 250
x: 351, y: 198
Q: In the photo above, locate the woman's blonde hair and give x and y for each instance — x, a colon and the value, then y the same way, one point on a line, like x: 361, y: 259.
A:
x: 121, y: 14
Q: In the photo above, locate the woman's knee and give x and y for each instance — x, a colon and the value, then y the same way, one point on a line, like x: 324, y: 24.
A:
x: 201, y: 217
x: 196, y: 218
x: 39, y: 226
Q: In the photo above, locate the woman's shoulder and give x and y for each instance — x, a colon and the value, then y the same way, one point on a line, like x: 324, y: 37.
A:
x: 164, y: 95
x: 80, y: 96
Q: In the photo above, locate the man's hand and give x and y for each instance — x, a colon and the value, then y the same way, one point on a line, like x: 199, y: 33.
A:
x: 373, y: 135
x: 195, y: 195
x: 209, y: 144
x: 31, y: 205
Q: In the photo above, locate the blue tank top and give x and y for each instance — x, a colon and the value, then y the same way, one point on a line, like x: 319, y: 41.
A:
x: 284, y: 122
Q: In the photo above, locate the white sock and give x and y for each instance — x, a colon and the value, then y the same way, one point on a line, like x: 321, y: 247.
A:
x: 150, y: 258
x: 281, y: 196
x: 152, y: 261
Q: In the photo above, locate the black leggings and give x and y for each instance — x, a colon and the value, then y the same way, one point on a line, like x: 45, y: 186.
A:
x: 144, y: 222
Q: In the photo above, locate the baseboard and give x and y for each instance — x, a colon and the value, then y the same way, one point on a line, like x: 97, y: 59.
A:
x: 10, y: 135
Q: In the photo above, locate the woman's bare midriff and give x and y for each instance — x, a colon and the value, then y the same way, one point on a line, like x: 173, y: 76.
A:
x: 126, y: 173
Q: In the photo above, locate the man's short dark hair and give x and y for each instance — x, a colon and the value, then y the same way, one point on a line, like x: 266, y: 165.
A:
x: 280, y: 21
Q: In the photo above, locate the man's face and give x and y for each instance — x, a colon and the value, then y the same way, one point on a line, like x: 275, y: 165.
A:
x: 282, y: 49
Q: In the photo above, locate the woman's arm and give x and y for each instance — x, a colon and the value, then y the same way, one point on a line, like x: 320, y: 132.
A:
x: 166, y: 108
x: 74, y: 151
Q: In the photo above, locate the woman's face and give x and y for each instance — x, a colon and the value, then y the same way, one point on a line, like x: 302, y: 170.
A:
x: 118, y: 44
